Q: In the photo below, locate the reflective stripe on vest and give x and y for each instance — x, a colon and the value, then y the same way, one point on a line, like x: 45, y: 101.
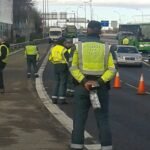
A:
x: 93, y: 58
x: 107, y: 147
x: 31, y: 50
x: 6, y: 58
x: 77, y: 146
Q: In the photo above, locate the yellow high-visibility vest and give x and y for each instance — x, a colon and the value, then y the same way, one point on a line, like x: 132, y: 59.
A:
x: 92, y: 58
x: 31, y: 50
x: 57, y: 54
x: 6, y: 58
x: 125, y: 41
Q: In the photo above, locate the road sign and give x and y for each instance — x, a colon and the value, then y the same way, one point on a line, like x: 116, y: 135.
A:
x: 104, y: 23
x: 114, y: 24
x: 63, y: 15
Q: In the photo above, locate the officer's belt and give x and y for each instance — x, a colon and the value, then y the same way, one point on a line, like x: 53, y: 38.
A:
x: 91, y: 77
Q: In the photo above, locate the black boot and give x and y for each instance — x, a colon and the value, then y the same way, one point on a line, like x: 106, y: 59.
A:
x: 28, y: 75
x: 63, y: 101
x: 54, y: 100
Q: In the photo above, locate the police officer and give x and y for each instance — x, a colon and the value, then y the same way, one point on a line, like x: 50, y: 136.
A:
x: 4, y: 52
x: 113, y: 48
x: 70, y: 47
x: 125, y: 41
x: 32, y: 56
x: 58, y: 56
x: 92, y: 64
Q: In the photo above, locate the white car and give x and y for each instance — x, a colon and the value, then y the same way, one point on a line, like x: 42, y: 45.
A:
x: 128, y: 55
x: 54, y: 34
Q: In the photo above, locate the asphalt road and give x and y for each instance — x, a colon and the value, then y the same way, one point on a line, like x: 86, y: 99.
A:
x: 25, y: 124
x: 129, y: 112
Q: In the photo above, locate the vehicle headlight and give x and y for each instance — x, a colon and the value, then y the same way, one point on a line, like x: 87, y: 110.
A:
x: 120, y: 57
x: 141, y: 45
x: 139, y: 57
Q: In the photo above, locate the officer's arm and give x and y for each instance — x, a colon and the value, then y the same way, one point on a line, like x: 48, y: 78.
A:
x: 37, y: 55
x: 74, y: 68
x: 3, y: 53
x: 110, y: 72
x: 66, y: 55
x: 37, y: 48
x: 25, y: 52
x: 50, y: 54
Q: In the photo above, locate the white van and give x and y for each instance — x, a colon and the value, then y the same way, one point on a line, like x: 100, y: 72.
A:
x: 54, y: 34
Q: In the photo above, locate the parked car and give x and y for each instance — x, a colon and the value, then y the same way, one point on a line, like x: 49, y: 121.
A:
x: 128, y: 55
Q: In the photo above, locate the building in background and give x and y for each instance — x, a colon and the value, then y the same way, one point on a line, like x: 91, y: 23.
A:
x: 6, y: 17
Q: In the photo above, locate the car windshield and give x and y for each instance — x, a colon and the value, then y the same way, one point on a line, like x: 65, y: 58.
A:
x: 55, y: 33
x: 127, y: 50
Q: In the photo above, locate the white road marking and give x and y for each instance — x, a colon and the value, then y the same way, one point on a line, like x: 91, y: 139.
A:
x: 136, y: 88
x: 146, y: 64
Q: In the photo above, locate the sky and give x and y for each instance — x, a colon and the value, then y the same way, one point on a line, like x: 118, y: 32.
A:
x: 122, y: 11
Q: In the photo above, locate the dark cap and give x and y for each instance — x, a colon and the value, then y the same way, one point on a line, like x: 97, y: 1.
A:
x: 94, y: 24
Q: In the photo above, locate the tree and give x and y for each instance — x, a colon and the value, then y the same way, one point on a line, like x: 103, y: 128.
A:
x: 21, y: 10
x: 26, y: 18
x: 37, y: 20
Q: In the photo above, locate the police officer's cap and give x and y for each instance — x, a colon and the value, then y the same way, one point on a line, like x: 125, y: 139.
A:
x: 94, y: 24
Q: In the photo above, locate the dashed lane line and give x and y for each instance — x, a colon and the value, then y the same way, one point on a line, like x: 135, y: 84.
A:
x: 146, y: 64
x: 135, y: 88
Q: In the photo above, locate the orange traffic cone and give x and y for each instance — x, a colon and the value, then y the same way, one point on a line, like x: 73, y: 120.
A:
x: 117, y: 83
x: 141, y: 87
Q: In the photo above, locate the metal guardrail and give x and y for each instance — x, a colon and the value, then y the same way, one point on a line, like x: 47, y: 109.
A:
x: 14, y: 47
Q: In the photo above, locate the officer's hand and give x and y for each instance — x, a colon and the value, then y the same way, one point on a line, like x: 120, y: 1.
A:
x: 88, y: 85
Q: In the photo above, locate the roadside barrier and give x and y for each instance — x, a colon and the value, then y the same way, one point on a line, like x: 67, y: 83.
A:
x: 141, y: 86
x: 14, y: 47
x: 117, y: 83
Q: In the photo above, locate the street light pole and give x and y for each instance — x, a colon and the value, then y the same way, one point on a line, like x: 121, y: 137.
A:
x: 85, y: 12
x: 74, y: 17
x: 77, y: 14
x: 91, y: 9
x: 118, y: 15
x: 142, y: 14
x: 43, y: 16
x: 48, y: 12
x: 45, y: 13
